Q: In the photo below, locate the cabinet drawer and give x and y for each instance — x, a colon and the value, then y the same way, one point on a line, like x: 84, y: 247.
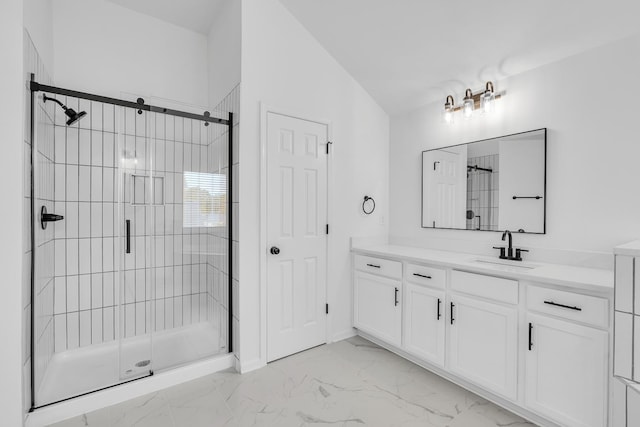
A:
x: 495, y: 288
x: 423, y: 275
x: 383, y: 267
x: 578, y: 307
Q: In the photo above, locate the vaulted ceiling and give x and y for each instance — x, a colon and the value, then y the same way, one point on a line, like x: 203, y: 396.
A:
x: 195, y: 15
x: 409, y: 52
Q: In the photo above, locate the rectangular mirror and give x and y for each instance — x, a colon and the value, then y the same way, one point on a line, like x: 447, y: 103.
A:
x: 490, y: 185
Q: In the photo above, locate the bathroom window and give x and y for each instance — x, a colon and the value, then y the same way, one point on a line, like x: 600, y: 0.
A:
x: 205, y: 199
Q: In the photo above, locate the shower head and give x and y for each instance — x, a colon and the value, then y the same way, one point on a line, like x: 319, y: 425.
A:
x: 73, y: 115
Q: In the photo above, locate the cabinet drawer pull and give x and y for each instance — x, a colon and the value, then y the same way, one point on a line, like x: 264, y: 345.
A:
x: 439, y: 315
x: 396, y: 296
x: 373, y: 265
x: 452, y: 306
x: 530, y: 335
x: 563, y: 306
x: 422, y: 275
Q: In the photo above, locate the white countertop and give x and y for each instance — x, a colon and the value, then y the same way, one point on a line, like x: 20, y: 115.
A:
x: 631, y: 249
x: 590, y: 279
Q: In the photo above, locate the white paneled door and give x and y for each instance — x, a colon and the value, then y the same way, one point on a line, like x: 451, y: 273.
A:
x: 445, y: 184
x: 296, y: 234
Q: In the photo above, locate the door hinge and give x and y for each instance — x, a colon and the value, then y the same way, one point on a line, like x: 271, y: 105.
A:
x: 326, y: 308
x: 327, y: 228
x: 328, y: 144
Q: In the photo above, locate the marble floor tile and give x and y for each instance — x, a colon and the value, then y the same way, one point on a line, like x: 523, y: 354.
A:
x: 349, y: 383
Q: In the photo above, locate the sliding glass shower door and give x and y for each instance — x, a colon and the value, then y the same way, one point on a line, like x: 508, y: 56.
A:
x: 188, y: 205
x: 136, y: 225
x: 130, y: 272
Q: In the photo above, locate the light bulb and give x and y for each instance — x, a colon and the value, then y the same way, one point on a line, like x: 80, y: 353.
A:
x: 447, y: 113
x: 467, y: 104
x: 487, y: 100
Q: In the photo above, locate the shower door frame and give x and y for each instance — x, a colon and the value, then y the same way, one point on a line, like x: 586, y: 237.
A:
x: 35, y: 87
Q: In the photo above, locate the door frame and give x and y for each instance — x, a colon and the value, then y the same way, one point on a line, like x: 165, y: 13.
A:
x: 265, y: 109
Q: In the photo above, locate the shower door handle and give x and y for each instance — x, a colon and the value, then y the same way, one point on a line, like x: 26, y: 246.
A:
x: 128, y: 236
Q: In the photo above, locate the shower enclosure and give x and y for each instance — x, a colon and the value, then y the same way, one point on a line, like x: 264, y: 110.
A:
x: 131, y: 236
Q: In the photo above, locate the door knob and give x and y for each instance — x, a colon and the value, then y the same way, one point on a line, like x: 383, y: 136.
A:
x: 274, y: 250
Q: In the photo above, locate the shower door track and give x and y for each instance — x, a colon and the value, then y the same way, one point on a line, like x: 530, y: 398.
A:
x: 139, y: 105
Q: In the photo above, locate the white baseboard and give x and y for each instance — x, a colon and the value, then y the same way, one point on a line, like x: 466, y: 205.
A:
x: 118, y: 394
x: 348, y: 333
x: 251, y: 365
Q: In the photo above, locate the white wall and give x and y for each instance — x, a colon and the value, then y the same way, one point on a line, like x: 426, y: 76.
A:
x: 224, y: 51
x: 38, y: 20
x: 107, y: 49
x: 12, y: 86
x: 585, y: 101
x: 285, y: 67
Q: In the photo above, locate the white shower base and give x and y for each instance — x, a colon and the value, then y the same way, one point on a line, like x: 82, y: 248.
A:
x: 91, y: 368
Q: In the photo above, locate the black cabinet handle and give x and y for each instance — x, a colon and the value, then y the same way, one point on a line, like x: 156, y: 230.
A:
x: 373, y: 265
x: 422, y: 275
x: 439, y: 314
x: 396, y: 296
x: 530, y: 335
x: 128, y: 236
x: 563, y: 306
x: 452, y: 319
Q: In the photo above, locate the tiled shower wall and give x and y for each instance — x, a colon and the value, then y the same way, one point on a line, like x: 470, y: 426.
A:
x: 43, y: 146
x: 86, y: 240
x: 164, y: 254
x: 483, y: 192
x: 217, y: 237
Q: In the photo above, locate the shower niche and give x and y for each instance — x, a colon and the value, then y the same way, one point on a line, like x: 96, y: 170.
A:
x: 489, y: 185
x: 125, y: 282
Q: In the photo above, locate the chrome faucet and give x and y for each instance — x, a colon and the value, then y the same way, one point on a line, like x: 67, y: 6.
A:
x: 507, y: 253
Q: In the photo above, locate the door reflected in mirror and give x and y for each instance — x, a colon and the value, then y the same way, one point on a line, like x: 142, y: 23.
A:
x: 489, y: 185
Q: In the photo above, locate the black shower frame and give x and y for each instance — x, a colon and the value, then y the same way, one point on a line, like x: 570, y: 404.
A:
x: 35, y: 87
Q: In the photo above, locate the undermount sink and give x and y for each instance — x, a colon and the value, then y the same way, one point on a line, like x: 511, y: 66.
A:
x: 504, y: 264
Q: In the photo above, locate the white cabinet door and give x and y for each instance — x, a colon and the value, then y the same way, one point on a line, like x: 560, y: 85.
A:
x: 424, y: 323
x: 566, y: 372
x: 377, y: 307
x: 483, y: 344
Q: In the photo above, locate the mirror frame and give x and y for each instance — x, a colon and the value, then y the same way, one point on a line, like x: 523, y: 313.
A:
x: 544, y: 196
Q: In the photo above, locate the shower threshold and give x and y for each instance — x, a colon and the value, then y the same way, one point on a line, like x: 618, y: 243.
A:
x: 75, y: 372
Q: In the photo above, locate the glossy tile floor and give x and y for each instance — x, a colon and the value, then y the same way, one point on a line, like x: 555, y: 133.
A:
x: 348, y: 383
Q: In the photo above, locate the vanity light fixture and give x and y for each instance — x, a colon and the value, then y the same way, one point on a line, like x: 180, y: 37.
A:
x: 483, y: 101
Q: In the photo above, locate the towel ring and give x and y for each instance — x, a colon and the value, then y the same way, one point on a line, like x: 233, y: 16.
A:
x: 364, y: 208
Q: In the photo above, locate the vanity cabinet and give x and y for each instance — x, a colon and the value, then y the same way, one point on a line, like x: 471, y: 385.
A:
x: 566, y: 362
x: 377, y: 307
x: 536, y: 347
x: 424, y: 322
x: 483, y: 343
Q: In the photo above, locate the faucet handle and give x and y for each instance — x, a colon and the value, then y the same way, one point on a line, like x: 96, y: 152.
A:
x: 518, y: 256
x: 502, y: 253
